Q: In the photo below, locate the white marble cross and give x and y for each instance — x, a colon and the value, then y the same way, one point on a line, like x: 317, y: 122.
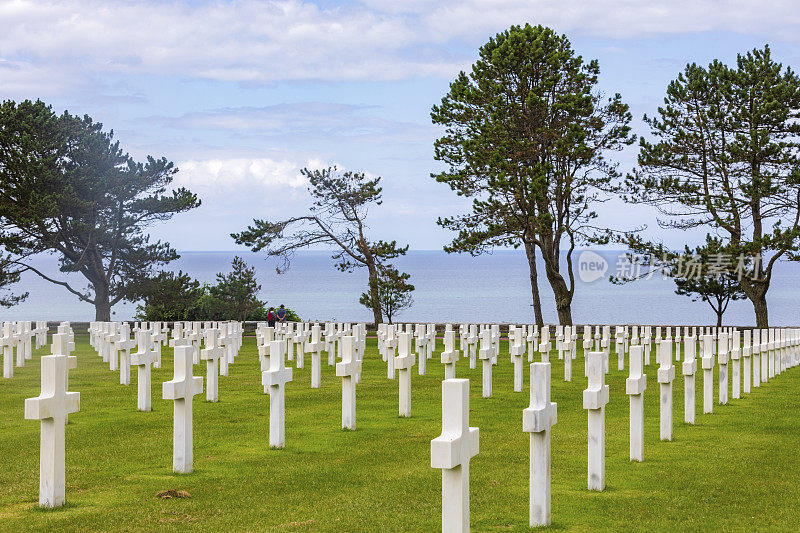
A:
x: 450, y: 355
x: 689, y: 371
x: 533, y: 341
x: 182, y: 389
x: 756, y: 358
x: 472, y: 345
x: 485, y: 355
x: 595, y: 398
x: 620, y: 347
x: 330, y: 342
x: 635, y: 386
x: 7, y: 342
x: 315, y: 348
x: 537, y: 420
x: 123, y: 344
x: 567, y: 345
x: 452, y: 451
x: 736, y: 355
x: 516, y: 349
x: 297, y: 339
x: 51, y: 407
x: 274, y: 381
x: 347, y: 369
x: 404, y: 362
x: 193, y: 337
x: 722, y: 357
x: 770, y: 335
x: 708, y: 373
x: 177, y: 335
x: 746, y: 352
x: 390, y: 344
x: 225, y: 341
x: 159, y: 338
x: 142, y: 359
x: 268, y: 335
x: 27, y: 339
x: 666, y: 375
x: 211, y: 354
x: 431, y: 337
x: 766, y: 355
x: 544, y: 346
x: 19, y: 344
x: 421, y: 341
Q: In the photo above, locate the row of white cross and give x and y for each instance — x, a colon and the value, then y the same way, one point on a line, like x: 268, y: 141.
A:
x: 221, y: 343
x: 19, y: 338
x: 458, y: 442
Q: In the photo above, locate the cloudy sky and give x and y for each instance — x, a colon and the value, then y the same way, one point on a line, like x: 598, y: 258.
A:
x: 243, y: 94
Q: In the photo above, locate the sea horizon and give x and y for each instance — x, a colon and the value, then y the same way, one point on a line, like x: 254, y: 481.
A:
x: 494, y: 287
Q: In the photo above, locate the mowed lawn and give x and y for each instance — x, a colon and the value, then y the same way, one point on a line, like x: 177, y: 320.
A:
x: 738, y: 469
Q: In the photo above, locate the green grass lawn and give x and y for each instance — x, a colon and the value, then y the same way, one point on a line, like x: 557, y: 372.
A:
x: 738, y: 469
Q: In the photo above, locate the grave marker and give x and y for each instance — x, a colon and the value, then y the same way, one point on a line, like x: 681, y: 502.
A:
x: 537, y: 420
x: 347, y: 369
x: 274, y: 381
x: 52, y: 407
x: 735, y: 356
x: 595, y: 398
x: 666, y: 375
x: 182, y: 389
x: 708, y: 374
x: 486, y: 356
x: 142, y: 360
x: 723, y: 368
x: 452, y: 450
x: 315, y: 347
x: 450, y: 355
x: 635, y: 386
x: 689, y: 371
x: 404, y: 362
x: 211, y: 354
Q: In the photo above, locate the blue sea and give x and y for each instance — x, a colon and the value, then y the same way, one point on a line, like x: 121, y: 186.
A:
x: 449, y: 288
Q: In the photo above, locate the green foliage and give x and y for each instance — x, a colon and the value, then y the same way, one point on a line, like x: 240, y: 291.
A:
x: 337, y: 218
x: 170, y: 296
x: 67, y: 188
x: 237, y: 291
x: 9, y: 275
x: 393, y: 292
x: 726, y: 153
x: 714, y: 281
x: 526, y: 136
x: 709, y: 272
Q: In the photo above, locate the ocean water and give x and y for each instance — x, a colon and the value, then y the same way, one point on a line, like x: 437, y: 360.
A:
x: 449, y: 288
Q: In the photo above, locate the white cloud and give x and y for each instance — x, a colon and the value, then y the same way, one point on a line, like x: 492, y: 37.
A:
x: 253, y: 174
x: 269, y: 41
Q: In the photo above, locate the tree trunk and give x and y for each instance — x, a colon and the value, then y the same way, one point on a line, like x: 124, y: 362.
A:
x: 756, y: 292
x: 561, y: 293
x: 102, y: 306
x: 760, y: 308
x: 530, y: 251
x: 719, y: 318
x: 373, y: 293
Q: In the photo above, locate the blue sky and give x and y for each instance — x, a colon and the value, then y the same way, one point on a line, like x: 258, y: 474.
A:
x: 241, y: 95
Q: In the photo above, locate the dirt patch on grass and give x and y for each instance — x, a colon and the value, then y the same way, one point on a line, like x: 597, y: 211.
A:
x: 173, y: 493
